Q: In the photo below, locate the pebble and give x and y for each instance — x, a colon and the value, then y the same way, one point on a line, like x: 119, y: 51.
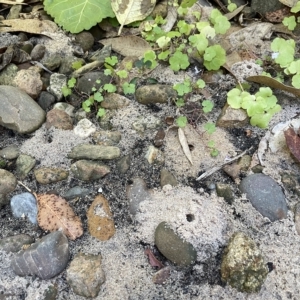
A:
x: 154, y: 156
x: 123, y: 164
x: 18, y: 111
x: 107, y: 138
x: 156, y: 93
x: 232, y: 118
x: 45, y: 100
x: 94, y: 152
x: 243, y: 266
x: 15, y: 243
x: 167, y: 177
x: 24, y: 205
x: 3, y: 200
x: 67, y: 108
x: 85, y: 39
x: 29, y: 81
x: 87, y: 82
x: 114, y: 101
x: 8, y: 182
x: 75, y: 192
x: 57, y: 81
x: 100, y: 219
x: 45, y: 258
x: 66, y: 66
x: 84, y: 128
x: 47, y: 175
x: 265, y: 195
x: 161, y: 276
x: 297, y: 217
x: 225, y: 191
x: 24, y: 164
x: 159, y: 138
x: 87, y: 170
x: 85, y: 275
x: 10, y: 152
x: 174, y: 247
x: 52, y: 62
x: 38, y: 52
x: 59, y: 119
x: 136, y: 193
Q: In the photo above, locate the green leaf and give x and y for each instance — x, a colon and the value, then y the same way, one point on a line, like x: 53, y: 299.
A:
x: 78, y: 15
x: 98, y: 97
x: 122, y: 74
x: 214, y: 57
x: 207, y: 106
x: 179, y: 61
x: 187, y: 3
x: 296, y: 7
x: 108, y: 72
x: 184, y: 27
x: 164, y: 55
x: 181, y: 121
x: 211, y: 144
x: 183, y: 88
x: 71, y: 82
x: 101, y: 112
x: 128, y: 88
x: 66, y: 91
x: 199, y: 41
x: 200, y: 83
x: 110, y: 88
x: 76, y: 64
x: 234, y: 98
x: 214, y: 152
x: 180, y: 102
x: 290, y: 22
x: 210, y: 127
x: 231, y: 7
x: 221, y: 24
x: 112, y: 60
x: 261, y: 120
x: 296, y: 81
x: 163, y: 42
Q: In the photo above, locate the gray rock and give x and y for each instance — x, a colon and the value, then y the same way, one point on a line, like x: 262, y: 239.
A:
x: 3, y: 200
x: 50, y: 293
x: 52, y: 62
x: 87, y: 170
x: 59, y: 119
x: 265, y: 6
x: 85, y: 39
x: 231, y: 117
x: 7, y: 39
x: 8, y: 182
x: 94, y: 152
x: 38, y: 52
x: 75, y: 192
x: 45, y: 100
x: 136, y: 193
x: 66, y: 66
x: 10, y: 152
x: 151, y: 94
x: 15, y: 243
x: 265, y: 195
x: 85, y: 275
x: 167, y: 177
x: 24, y: 205
x: 88, y: 81
x: 114, y: 101
x: 18, y: 111
x: 101, y: 54
x: 107, y: 138
x: 174, y: 247
x: 84, y: 128
x: 45, y: 258
x: 297, y: 217
x: 50, y: 175
x: 243, y: 266
x: 57, y: 81
x: 123, y: 164
x: 8, y: 74
x: 225, y: 191
x: 67, y: 108
x: 24, y: 165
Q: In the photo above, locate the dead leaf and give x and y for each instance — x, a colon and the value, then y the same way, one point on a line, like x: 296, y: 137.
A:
x: 154, y: 262
x: 289, y: 3
x: 184, y: 145
x: 170, y: 19
x: 128, y: 11
x: 293, y: 142
x: 129, y: 45
x: 55, y: 213
x: 273, y: 83
x: 232, y: 14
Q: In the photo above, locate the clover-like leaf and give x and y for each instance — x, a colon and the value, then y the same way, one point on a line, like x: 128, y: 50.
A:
x: 261, y: 120
x: 179, y: 61
x: 207, y: 105
x: 214, y: 57
x: 78, y: 15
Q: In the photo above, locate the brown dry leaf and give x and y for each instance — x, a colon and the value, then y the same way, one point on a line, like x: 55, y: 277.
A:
x: 232, y: 14
x: 273, y: 83
x: 129, y: 45
x: 128, y: 11
x: 184, y: 145
x: 293, y: 142
x: 55, y: 213
x: 33, y: 26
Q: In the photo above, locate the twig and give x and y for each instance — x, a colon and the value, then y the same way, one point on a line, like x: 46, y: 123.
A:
x: 27, y: 188
x: 215, y: 169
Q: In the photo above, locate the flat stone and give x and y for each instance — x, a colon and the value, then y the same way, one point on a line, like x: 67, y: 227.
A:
x: 46, y: 258
x: 156, y: 93
x: 75, y: 192
x: 24, y: 205
x: 85, y: 275
x: 100, y: 219
x: 84, y: 128
x: 10, y: 152
x: 18, y: 111
x: 265, y: 195
x: 243, y: 266
x: 266, y: 6
x: 167, y: 177
x: 15, y: 243
x: 57, y: 82
x: 8, y: 182
x: 24, y: 164
x: 59, y: 119
x: 174, y: 247
x: 94, y: 152
x: 67, y: 108
x: 114, y: 101
x: 50, y: 175
x: 123, y: 164
x: 225, y: 191
x: 88, y: 81
x: 87, y: 170
x: 107, y: 137
x: 231, y: 117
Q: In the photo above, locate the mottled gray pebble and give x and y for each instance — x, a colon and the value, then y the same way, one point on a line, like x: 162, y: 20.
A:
x: 14, y: 243
x: 75, y: 192
x: 10, y: 152
x: 24, y: 165
x: 49, y: 175
x: 123, y: 164
x: 88, y: 170
x: 167, y: 177
x: 8, y: 182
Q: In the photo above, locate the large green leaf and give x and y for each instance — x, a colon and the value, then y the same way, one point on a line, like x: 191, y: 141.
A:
x: 78, y: 15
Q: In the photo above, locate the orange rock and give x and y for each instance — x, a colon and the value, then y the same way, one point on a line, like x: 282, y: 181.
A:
x: 100, y: 220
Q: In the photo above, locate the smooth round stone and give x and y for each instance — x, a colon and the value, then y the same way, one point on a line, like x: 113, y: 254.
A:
x: 75, y: 192
x: 10, y: 152
x: 174, y: 247
x: 50, y: 175
x: 84, y: 128
x: 8, y: 182
x: 265, y: 195
x: 24, y: 165
x: 14, y: 243
x: 88, y: 170
x: 24, y: 205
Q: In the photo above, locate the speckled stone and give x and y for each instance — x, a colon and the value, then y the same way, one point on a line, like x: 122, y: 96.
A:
x: 50, y: 175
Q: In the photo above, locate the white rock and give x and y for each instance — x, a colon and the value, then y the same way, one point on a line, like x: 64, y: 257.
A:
x: 84, y: 128
x: 68, y: 108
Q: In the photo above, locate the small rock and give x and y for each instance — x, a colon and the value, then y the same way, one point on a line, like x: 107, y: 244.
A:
x: 84, y: 128
x: 94, y: 152
x: 167, y: 177
x: 242, y: 265
x: 174, y: 247
x: 151, y: 94
x: 85, y: 275
x: 87, y: 82
x: 14, y: 12
x: 225, y: 191
x: 18, y: 111
x: 59, y: 119
x: 136, y: 193
x: 3, y: 200
x: 262, y: 7
x: 154, y: 156
x: 87, y: 170
x: 10, y: 152
x: 45, y: 258
x: 114, y: 101
x: 50, y: 293
x: 67, y: 108
x: 38, y: 52
x: 161, y: 276
x: 29, y: 81
x: 75, y: 192
x: 45, y: 100
x: 8, y: 182
x: 231, y: 117
x: 232, y: 170
x: 100, y: 220
x: 8, y: 74
x: 244, y: 162
x: 123, y: 164
x: 52, y: 62
x: 50, y: 175
x: 15, y: 243
x: 107, y: 138
x: 297, y: 217
x: 24, y: 165
x: 57, y: 81
x: 85, y: 39
x: 159, y: 138
x: 265, y: 195
x: 24, y: 205
x: 66, y: 66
